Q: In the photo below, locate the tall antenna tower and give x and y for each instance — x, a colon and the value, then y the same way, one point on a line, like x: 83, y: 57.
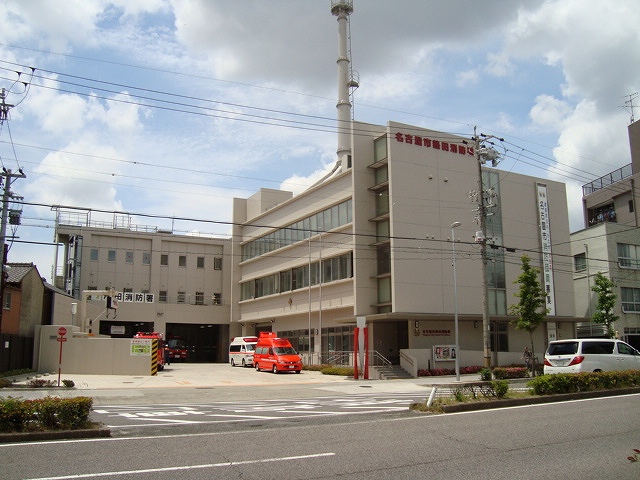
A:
x: 342, y: 9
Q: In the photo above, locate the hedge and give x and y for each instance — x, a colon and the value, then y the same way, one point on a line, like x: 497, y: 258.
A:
x: 49, y: 413
x: 583, y: 382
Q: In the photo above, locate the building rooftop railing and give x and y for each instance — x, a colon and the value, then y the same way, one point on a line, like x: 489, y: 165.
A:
x: 606, y: 180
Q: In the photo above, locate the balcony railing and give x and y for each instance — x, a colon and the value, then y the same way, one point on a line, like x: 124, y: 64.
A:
x: 606, y: 180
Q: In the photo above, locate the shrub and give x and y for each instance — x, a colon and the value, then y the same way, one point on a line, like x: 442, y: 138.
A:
x: 41, y: 383
x: 49, y: 413
x: 501, y: 373
x: 68, y: 383
x: 583, y: 382
x: 13, y: 415
x: 4, y: 383
x: 485, y: 374
x: 500, y: 387
x: 346, y: 371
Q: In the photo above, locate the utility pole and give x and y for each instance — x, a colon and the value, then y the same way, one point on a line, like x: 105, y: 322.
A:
x: 8, y: 177
x: 483, y: 155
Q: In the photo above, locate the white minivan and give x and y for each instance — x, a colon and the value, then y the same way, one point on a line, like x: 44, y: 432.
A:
x: 241, y: 351
x: 590, y: 355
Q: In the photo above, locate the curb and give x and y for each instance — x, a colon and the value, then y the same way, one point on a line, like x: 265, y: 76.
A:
x: 516, y: 402
x: 81, y: 433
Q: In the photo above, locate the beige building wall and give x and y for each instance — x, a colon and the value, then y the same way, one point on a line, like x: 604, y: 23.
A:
x: 427, y: 189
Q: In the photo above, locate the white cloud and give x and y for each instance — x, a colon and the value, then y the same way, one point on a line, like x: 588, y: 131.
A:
x: 467, y: 78
x: 549, y: 113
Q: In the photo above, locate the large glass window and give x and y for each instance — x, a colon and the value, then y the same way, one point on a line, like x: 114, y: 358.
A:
x: 382, y: 202
x: 580, y: 262
x: 94, y: 254
x: 333, y: 217
x: 629, y: 256
x: 630, y: 298
x: 380, y: 148
x: 384, y: 290
x: 499, y: 336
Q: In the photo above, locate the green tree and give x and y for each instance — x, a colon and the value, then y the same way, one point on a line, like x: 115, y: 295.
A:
x: 604, y: 313
x: 531, y: 307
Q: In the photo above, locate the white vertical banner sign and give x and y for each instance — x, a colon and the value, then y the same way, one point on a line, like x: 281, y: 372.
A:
x: 545, y: 241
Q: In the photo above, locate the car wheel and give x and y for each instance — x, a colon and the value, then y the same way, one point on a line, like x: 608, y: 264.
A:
x: 243, y: 363
x: 297, y: 371
x: 233, y: 363
x: 275, y: 369
x: 257, y: 367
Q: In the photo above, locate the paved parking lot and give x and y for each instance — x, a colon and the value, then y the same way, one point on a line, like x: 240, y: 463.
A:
x: 218, y: 382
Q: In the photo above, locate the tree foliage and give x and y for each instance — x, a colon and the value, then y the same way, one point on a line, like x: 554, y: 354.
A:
x: 605, y: 303
x: 531, y: 307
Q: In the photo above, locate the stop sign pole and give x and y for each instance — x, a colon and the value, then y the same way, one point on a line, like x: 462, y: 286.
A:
x: 62, y: 332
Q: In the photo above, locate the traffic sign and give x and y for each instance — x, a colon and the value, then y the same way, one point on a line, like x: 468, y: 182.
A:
x: 62, y: 331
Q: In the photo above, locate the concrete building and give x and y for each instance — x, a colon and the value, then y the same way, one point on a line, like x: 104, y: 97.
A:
x: 374, y: 240
x: 610, y: 244
x: 178, y: 285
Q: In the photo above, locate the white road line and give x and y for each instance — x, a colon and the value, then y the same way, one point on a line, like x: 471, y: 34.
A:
x: 186, y: 467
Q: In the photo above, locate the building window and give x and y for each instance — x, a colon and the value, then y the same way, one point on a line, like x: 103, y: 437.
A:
x: 382, y: 203
x: 146, y: 258
x: 182, y: 261
x: 111, y: 256
x: 630, y: 298
x: 182, y: 297
x: 630, y: 206
x: 128, y: 257
x: 94, y: 254
x: 580, y: 262
x: 499, y: 336
x: 629, y: 256
x: 164, y: 259
x: 217, y: 299
x: 162, y: 296
x: 380, y: 149
x: 384, y: 290
x: 199, y: 298
x: 7, y: 301
x: 217, y: 263
x: 200, y: 262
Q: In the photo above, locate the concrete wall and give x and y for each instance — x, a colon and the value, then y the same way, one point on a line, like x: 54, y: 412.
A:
x: 87, y: 355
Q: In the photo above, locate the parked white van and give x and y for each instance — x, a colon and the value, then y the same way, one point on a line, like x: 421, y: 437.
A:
x: 590, y: 355
x: 241, y: 351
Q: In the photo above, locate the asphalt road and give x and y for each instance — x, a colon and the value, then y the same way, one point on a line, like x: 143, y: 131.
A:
x: 588, y: 439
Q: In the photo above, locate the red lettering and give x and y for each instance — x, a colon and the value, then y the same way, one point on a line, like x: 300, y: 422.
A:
x: 399, y: 137
x: 408, y: 138
x: 445, y: 146
x: 453, y: 148
x: 436, y: 144
x: 427, y: 142
x: 418, y: 141
x: 470, y: 151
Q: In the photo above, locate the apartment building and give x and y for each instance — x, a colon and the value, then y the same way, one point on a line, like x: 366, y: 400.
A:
x: 610, y: 244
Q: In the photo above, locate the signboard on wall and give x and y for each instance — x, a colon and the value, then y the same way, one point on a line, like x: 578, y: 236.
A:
x: 141, y: 347
x: 444, y: 353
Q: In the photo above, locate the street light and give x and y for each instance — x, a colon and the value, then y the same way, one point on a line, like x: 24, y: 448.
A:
x: 455, y: 297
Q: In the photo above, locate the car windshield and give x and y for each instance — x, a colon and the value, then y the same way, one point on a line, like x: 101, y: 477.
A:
x: 250, y: 347
x: 563, y: 348
x: 285, y: 351
x: 176, y: 343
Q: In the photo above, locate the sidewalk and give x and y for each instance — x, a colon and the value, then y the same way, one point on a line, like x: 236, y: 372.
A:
x: 186, y: 382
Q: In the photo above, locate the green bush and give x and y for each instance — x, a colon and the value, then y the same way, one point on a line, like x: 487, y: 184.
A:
x: 13, y: 373
x: 485, y: 374
x: 501, y: 373
x: 68, y: 383
x: 4, y: 383
x: 344, y: 371
x: 500, y: 387
x: 49, y: 413
x: 583, y: 382
x: 41, y: 383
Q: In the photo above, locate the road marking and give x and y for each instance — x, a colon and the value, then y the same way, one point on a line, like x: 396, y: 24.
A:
x: 186, y: 467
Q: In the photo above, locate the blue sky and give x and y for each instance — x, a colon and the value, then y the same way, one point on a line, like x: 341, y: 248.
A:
x: 170, y: 108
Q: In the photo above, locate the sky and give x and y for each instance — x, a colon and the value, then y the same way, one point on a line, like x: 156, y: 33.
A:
x: 168, y: 109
